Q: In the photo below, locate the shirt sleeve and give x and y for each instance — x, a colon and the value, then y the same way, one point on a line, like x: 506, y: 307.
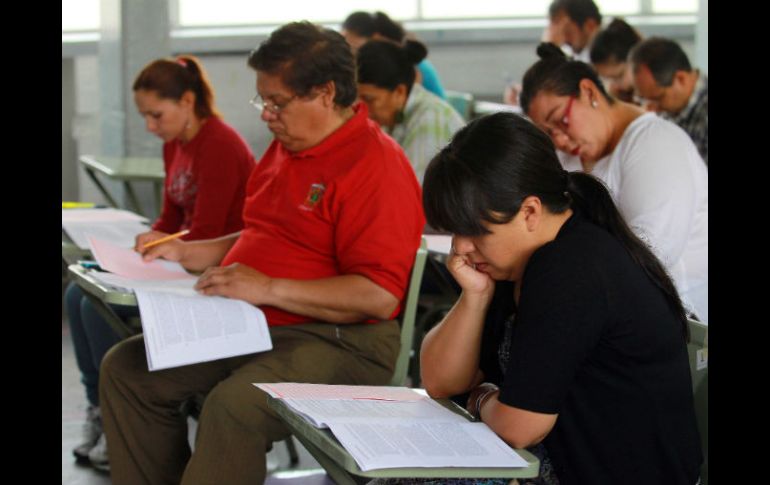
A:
x: 430, y: 130
x: 380, y: 221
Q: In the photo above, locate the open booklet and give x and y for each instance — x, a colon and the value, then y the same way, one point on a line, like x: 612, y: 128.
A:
x: 181, y: 327
x: 396, y: 427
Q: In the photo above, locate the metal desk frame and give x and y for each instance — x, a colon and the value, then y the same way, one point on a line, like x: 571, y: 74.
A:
x: 126, y: 170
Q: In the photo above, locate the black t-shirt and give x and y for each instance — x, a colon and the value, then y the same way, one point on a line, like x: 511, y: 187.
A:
x: 595, y: 341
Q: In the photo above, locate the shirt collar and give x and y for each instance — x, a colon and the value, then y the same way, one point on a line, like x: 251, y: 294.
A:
x: 341, y: 136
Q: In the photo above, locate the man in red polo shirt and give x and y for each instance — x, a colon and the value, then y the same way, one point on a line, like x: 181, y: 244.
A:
x: 333, y: 220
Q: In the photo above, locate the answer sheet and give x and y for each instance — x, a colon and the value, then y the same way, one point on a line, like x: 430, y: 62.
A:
x: 128, y: 263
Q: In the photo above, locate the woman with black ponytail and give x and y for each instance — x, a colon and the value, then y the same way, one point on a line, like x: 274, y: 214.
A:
x: 568, y: 331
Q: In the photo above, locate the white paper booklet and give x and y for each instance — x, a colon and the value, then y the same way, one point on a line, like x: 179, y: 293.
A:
x: 184, y: 287
x: 384, y: 427
x: 182, y: 330
x: 116, y: 226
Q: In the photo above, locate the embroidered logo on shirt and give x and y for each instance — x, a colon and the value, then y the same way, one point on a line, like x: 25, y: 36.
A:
x: 314, y: 195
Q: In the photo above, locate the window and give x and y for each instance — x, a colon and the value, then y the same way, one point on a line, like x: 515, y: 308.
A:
x: 79, y: 15
x: 674, y: 6
x: 83, y: 15
x: 197, y: 13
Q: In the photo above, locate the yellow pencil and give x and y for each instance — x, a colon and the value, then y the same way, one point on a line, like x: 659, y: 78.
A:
x: 167, y: 238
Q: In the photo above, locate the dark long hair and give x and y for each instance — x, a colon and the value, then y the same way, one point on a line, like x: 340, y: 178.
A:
x: 495, y: 162
x: 171, y: 78
x: 386, y: 65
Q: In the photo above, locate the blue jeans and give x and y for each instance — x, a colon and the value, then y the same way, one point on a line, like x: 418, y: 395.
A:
x: 92, y: 337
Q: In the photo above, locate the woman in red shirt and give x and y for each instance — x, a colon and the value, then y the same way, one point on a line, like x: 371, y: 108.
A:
x: 207, y: 165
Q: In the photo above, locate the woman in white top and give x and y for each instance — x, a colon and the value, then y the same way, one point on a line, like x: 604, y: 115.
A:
x: 650, y: 165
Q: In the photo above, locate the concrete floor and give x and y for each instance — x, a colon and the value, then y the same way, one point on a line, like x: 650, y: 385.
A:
x: 73, y: 413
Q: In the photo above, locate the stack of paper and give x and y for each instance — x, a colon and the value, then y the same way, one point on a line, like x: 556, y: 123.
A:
x: 180, y: 326
x: 386, y: 427
x: 116, y: 226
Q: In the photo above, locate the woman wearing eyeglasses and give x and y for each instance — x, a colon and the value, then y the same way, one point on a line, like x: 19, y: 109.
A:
x: 418, y: 120
x: 207, y: 164
x: 650, y: 165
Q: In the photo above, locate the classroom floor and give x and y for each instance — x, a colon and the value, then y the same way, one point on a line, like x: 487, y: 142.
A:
x: 73, y: 405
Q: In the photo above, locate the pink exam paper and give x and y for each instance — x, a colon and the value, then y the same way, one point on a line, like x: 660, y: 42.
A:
x: 128, y: 263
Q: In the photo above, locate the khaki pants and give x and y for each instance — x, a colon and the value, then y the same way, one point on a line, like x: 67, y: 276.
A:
x: 147, y: 433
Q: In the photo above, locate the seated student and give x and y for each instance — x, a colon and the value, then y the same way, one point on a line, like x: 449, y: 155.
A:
x: 668, y: 85
x: 360, y: 27
x: 419, y: 121
x: 609, y: 52
x: 572, y: 25
x: 649, y: 164
x: 207, y: 164
x: 568, y: 330
x: 332, y: 225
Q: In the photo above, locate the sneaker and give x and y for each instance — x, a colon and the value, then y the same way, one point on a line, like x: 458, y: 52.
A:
x: 92, y: 430
x: 98, y: 455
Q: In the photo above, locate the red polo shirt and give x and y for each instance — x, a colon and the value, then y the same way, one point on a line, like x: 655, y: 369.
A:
x: 350, y: 205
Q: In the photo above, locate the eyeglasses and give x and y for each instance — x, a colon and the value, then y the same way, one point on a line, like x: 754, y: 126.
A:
x: 272, y: 107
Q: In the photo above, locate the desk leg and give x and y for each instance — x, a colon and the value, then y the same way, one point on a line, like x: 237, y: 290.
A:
x: 123, y: 329
x: 132, y: 197
x: 336, y: 472
x: 101, y: 188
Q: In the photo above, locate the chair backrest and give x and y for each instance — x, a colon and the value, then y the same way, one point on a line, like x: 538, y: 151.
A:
x: 697, y: 350
x: 461, y: 102
x: 409, y: 315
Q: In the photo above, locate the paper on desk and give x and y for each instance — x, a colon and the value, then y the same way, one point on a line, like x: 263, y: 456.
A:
x: 286, y: 390
x: 179, y: 287
x: 408, y: 443
x: 122, y: 233
x: 183, y: 330
x: 126, y: 262
x: 321, y: 413
x: 99, y: 215
x: 438, y: 243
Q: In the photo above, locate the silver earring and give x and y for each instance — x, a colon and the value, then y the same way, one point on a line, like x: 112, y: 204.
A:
x: 594, y: 104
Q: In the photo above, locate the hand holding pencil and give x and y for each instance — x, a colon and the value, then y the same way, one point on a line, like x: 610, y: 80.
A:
x: 157, y: 240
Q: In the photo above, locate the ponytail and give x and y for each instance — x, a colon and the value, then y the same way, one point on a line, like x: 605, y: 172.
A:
x: 591, y: 199
x: 171, y: 78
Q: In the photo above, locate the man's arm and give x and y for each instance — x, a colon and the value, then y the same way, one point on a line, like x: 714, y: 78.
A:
x: 339, y: 299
